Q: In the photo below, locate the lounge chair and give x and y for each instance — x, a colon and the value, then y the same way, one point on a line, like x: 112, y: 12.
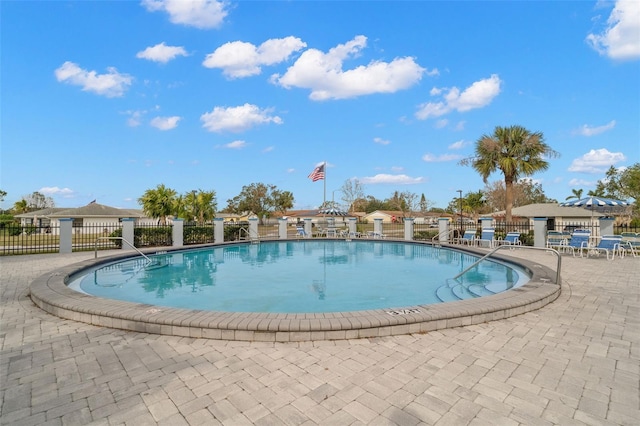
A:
x: 557, y: 240
x: 468, y: 238
x: 579, y: 241
x: 608, y: 244
x: 487, y: 237
x: 631, y: 243
x: 511, y: 239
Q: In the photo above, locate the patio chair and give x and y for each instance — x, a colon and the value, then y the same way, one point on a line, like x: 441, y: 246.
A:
x: 579, y: 241
x: 556, y: 240
x: 468, y: 238
x: 631, y: 243
x: 487, y: 237
x: 511, y: 239
x: 301, y: 233
x: 608, y: 244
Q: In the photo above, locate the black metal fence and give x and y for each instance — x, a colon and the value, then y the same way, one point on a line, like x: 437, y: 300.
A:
x: 28, y: 239
x: 32, y: 239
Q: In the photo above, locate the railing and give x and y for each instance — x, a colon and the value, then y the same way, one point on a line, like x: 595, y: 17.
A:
x: 95, y: 255
x: 558, y: 266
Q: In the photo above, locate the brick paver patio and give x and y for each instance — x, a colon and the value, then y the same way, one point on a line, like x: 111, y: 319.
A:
x: 575, y: 361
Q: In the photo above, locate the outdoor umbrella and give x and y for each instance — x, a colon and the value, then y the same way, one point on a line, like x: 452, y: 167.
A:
x: 333, y: 211
x: 592, y: 202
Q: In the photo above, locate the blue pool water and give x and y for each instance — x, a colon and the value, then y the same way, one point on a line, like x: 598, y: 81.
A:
x: 300, y: 276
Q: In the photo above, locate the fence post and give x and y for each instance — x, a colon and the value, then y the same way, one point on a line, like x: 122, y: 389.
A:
x: 486, y: 222
x: 443, y: 229
x: 308, y: 224
x: 66, y: 235
x: 282, y: 228
x: 377, y: 226
x: 353, y: 226
x: 408, y: 228
x: 253, y: 229
x: 539, y: 231
x: 606, y: 225
x: 177, y: 232
x: 218, y: 230
x: 128, y: 233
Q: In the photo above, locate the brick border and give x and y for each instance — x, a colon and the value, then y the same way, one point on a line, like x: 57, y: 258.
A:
x: 51, y: 294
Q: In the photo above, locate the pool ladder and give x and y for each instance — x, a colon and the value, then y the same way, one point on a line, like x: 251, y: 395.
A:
x: 95, y: 247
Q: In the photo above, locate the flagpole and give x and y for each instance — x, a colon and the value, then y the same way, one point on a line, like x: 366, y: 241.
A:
x: 324, y: 200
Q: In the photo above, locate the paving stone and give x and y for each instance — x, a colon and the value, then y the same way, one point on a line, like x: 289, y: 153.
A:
x: 575, y: 361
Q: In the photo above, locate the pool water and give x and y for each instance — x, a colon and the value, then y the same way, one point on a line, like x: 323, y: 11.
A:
x: 305, y: 276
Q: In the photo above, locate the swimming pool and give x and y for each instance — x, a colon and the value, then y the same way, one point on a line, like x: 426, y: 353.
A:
x: 300, y: 276
x: 51, y: 293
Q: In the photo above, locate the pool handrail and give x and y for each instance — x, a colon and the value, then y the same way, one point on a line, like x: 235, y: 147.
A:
x: 512, y: 247
x: 95, y: 246
x: 445, y: 232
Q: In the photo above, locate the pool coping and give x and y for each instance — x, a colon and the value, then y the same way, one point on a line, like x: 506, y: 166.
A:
x: 50, y: 293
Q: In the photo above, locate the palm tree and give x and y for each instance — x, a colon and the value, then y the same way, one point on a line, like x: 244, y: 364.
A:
x: 575, y: 193
x: 515, y: 151
x: 159, y: 202
x: 21, y: 206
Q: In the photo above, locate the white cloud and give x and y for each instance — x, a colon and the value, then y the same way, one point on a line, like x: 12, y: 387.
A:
x: 381, y: 141
x: 203, y: 14
x: 440, y: 124
x: 268, y: 149
x: 240, y: 59
x: 135, y: 118
x: 458, y: 145
x: 397, y: 169
x: 323, y: 73
x: 54, y: 190
x: 574, y: 183
x: 478, y: 95
x: 161, y: 53
x: 394, y: 179
x: 587, y: 130
x: 235, y: 145
x: 621, y: 37
x: 165, y: 123
x: 596, y: 161
x: 112, y: 84
x: 237, y: 119
x: 430, y: 158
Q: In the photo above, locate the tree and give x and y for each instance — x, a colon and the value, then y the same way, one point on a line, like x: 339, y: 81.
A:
x: 199, y: 205
x: 38, y: 201
x: 620, y: 183
x: 575, y: 193
x: 21, y: 206
x: 525, y: 191
x: 159, y: 203
x: 351, y: 190
x: 630, y: 182
x: 404, y: 201
x: 424, y: 204
x: 515, y: 151
x: 260, y: 199
x: 283, y: 200
x: 2, y: 195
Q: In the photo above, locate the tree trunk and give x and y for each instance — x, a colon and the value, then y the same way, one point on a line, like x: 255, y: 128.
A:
x: 508, y: 196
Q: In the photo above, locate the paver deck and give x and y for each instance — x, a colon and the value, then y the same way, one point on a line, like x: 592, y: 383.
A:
x: 574, y: 361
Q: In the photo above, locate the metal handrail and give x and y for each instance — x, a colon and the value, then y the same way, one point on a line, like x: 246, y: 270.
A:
x: 433, y: 239
x: 95, y: 246
x: 509, y: 246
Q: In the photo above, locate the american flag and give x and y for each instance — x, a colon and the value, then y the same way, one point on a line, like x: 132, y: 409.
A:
x: 317, y: 173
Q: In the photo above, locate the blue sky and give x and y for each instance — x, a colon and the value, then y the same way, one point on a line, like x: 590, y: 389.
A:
x: 106, y: 99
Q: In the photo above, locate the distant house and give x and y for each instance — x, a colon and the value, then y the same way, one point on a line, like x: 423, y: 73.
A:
x: 556, y: 215
x: 93, y: 214
x: 393, y: 216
